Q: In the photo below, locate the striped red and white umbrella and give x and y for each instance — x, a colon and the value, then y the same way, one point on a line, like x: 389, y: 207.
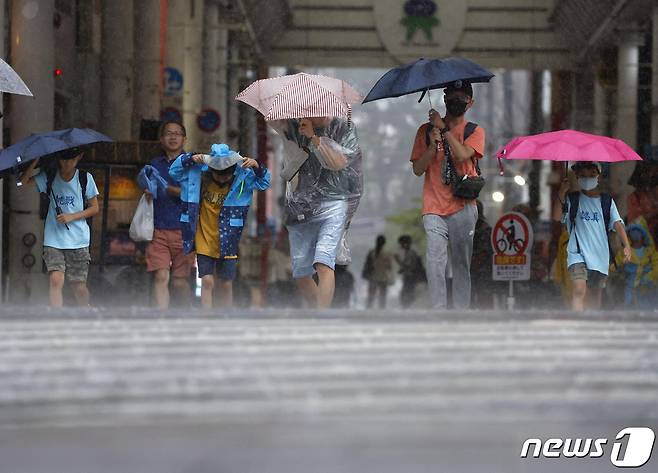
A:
x: 300, y: 96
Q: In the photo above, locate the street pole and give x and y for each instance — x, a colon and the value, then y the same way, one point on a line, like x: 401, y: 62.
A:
x: 148, y: 66
x: 117, y: 68
x: 536, y: 126
x: 261, y: 215
x: 33, y: 58
x: 628, y: 69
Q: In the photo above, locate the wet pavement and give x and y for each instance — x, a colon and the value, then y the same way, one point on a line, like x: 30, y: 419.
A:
x: 140, y: 391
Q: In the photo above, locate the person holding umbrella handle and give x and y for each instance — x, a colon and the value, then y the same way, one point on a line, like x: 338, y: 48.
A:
x: 72, y: 198
x: 445, y: 152
x: 61, y: 217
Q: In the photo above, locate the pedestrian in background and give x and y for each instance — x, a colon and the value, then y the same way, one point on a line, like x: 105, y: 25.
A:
x: 344, y: 288
x: 641, y: 272
x: 481, y: 263
x: 378, y: 271
x: 643, y: 201
x: 411, y: 269
x: 251, y: 261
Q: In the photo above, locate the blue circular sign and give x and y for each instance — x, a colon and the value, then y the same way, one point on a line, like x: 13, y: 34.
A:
x: 173, y: 82
x: 208, y: 120
x: 171, y: 114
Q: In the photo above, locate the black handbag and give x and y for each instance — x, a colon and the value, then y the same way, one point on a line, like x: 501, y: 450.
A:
x: 463, y: 187
x: 468, y: 187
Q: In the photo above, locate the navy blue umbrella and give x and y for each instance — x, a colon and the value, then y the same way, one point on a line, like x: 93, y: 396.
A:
x: 61, y: 143
x: 424, y: 75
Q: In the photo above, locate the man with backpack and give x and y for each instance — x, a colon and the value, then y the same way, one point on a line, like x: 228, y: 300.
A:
x: 446, y: 151
x: 589, y: 215
x: 71, y: 197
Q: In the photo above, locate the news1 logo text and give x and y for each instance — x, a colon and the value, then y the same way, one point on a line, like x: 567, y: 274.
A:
x: 631, y: 449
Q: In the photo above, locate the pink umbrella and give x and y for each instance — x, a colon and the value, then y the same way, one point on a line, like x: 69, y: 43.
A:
x: 300, y: 96
x: 568, y: 145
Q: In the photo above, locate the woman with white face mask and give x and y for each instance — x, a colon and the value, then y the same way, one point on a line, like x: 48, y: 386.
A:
x: 589, y: 215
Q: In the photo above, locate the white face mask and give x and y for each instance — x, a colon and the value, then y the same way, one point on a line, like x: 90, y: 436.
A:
x: 588, y: 183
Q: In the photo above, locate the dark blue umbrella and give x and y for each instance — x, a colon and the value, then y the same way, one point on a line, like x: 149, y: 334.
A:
x: 424, y: 75
x: 61, y: 143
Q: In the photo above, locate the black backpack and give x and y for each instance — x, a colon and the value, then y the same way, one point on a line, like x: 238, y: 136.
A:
x: 45, y: 197
x: 606, y: 205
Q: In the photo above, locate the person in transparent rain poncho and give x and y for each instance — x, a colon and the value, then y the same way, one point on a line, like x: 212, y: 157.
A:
x: 322, y: 167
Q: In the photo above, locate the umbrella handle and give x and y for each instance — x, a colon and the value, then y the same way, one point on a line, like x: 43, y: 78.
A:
x: 427, y: 92
x: 16, y: 171
x: 500, y: 166
x: 58, y: 209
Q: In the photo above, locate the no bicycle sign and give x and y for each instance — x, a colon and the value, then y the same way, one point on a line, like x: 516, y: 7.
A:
x: 511, y: 239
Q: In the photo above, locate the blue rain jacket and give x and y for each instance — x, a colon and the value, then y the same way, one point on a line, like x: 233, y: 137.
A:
x: 235, y: 208
x: 149, y: 178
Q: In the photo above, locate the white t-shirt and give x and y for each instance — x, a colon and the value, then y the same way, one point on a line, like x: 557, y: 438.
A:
x: 591, y: 234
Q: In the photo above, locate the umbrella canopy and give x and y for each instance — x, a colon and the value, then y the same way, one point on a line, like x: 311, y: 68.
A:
x: 426, y: 74
x: 568, y: 145
x: 300, y: 96
x: 10, y: 82
x: 53, y: 143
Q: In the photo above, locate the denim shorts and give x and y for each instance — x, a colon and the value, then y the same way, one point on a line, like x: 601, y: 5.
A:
x: 316, y: 240
x: 227, y: 269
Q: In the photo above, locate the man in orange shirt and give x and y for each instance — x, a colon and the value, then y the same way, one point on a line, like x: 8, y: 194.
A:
x: 449, y: 221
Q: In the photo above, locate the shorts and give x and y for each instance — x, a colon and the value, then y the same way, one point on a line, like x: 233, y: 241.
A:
x: 595, y: 279
x: 316, y: 241
x: 165, y: 251
x: 226, y: 269
x: 73, y: 263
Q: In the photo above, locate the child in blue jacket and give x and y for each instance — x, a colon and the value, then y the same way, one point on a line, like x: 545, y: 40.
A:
x: 216, y: 191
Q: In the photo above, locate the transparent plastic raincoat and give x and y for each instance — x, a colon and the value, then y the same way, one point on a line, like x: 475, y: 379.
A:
x: 330, y: 171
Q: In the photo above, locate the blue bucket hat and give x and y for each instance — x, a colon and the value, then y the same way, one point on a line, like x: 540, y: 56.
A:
x: 222, y: 157
x: 637, y: 228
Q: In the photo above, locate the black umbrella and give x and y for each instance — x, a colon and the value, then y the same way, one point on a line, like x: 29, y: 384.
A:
x: 424, y: 75
x: 54, y: 144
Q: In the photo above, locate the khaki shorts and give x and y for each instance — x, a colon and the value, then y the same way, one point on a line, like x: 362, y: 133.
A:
x: 595, y: 280
x: 165, y: 251
x: 73, y: 263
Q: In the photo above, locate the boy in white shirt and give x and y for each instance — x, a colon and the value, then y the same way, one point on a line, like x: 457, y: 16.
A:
x: 66, y: 233
x: 589, y: 215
